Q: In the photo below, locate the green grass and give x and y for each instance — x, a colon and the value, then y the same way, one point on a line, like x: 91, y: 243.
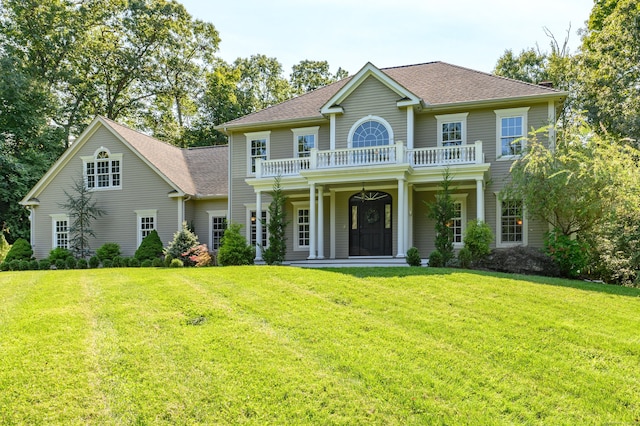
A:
x: 280, y: 345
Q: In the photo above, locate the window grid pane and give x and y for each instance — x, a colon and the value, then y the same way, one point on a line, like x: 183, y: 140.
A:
x: 452, y: 133
x: 62, y: 234
x: 511, y: 222
x: 254, y: 227
x: 218, y: 226
x: 258, y: 150
x: 147, y: 224
x: 456, y: 222
x: 303, y: 228
x: 511, y: 131
x: 305, y: 143
x: 370, y: 133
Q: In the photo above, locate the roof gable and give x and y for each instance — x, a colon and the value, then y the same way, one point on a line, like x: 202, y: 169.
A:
x: 368, y: 71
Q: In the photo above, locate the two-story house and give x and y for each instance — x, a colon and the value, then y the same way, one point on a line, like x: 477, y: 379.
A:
x: 359, y: 160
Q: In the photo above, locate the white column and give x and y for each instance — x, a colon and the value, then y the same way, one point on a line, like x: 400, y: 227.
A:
x: 332, y: 132
x: 312, y: 221
x: 411, y: 209
x: 332, y: 224
x: 406, y: 216
x: 410, y: 127
x: 401, y: 217
x: 320, y: 222
x: 258, y: 226
x: 480, y: 199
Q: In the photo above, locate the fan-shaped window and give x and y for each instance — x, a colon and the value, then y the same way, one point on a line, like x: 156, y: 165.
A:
x: 102, y: 170
x: 370, y: 133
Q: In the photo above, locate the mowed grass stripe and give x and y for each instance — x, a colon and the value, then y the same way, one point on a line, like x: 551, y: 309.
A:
x: 283, y: 345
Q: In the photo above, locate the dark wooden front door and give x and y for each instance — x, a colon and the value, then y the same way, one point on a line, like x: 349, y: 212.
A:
x: 370, y: 224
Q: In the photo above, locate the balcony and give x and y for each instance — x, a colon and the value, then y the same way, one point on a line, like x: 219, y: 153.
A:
x: 371, y: 157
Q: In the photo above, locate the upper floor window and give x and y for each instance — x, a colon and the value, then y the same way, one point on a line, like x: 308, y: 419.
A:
x: 452, y: 129
x: 304, y: 139
x: 511, y: 128
x: 257, y: 148
x: 103, y: 170
x: 370, y: 131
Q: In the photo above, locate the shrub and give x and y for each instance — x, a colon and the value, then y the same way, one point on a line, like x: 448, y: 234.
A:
x: 82, y: 264
x: 44, y: 264
x: 183, y: 241
x: 20, y: 250
x: 24, y: 265
x: 436, y: 259
x: 150, y: 248
x: 134, y: 263
x: 571, y: 255
x: 14, y: 265
x: 167, y: 260
x: 199, y: 255
x: 117, y: 262
x: 157, y: 263
x: 413, y: 257
x: 176, y: 263
x: 94, y: 262
x: 477, y: 238
x: 59, y: 253
x: 465, y: 257
x: 60, y: 264
x: 234, y: 249
x: 147, y: 263
x: 108, y: 251
x: 4, y: 247
x: 71, y: 263
x: 107, y: 263
x: 33, y: 265
x: 4, y: 266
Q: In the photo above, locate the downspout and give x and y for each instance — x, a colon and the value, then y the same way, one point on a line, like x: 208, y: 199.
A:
x: 182, y: 210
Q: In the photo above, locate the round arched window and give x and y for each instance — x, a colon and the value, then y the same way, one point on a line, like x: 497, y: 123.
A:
x: 370, y: 133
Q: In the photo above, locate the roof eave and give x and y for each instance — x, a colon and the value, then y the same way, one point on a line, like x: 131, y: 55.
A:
x: 489, y: 102
x: 275, y: 123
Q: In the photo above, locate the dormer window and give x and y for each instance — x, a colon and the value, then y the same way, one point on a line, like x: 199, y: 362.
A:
x: 103, y: 170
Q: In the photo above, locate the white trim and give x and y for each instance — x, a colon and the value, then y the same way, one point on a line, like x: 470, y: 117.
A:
x: 152, y: 213
x: 370, y: 117
x: 304, y: 131
x: 255, y: 136
x: 297, y: 206
x: 462, y: 199
x: 452, y: 118
x: 93, y: 159
x: 508, y: 113
x: 58, y: 217
x: 525, y: 227
x: 212, y: 214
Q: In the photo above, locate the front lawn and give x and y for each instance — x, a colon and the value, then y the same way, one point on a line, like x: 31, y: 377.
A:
x: 284, y: 345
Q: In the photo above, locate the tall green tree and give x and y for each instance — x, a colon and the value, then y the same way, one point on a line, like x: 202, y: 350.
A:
x: 277, y: 226
x: 310, y: 75
x: 261, y: 83
x: 442, y: 210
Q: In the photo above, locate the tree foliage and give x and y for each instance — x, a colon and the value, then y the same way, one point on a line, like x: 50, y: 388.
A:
x: 234, y: 249
x: 442, y: 210
x: 150, y: 248
x: 277, y: 226
x: 310, y: 75
x: 20, y: 250
x: 183, y: 241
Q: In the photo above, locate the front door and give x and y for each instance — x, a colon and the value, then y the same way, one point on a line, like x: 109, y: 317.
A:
x: 370, y: 224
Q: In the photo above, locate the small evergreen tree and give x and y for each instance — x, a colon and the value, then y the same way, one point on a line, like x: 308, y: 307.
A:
x: 20, y: 250
x: 277, y: 226
x: 82, y: 211
x: 442, y: 211
x: 234, y: 249
x: 150, y: 247
x: 183, y: 241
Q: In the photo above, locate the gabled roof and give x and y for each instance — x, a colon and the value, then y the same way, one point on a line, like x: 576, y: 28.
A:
x: 200, y: 172
x: 435, y: 84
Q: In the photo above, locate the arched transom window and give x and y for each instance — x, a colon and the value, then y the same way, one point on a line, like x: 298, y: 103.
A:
x: 370, y: 132
x: 102, y: 171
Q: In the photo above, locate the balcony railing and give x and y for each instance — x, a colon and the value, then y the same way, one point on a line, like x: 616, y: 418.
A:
x: 372, y: 156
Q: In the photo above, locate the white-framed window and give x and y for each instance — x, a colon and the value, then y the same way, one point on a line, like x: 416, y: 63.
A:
x: 257, y: 147
x: 511, y: 132
x: 102, y: 170
x: 304, y: 139
x: 217, y: 226
x: 452, y: 129
x: 459, y: 220
x: 251, y: 224
x: 511, y: 223
x: 147, y: 221
x: 302, y: 226
x: 60, y: 231
x: 370, y: 131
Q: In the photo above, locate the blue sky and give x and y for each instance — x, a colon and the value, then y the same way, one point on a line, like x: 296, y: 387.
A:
x: 350, y: 33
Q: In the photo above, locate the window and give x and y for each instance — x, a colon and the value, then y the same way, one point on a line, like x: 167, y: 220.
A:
x: 452, y: 129
x: 370, y: 131
x: 218, y: 226
x: 511, y: 126
x: 102, y: 170
x: 303, y: 140
x: 253, y: 228
x: 60, y: 225
x: 302, y: 226
x: 459, y: 219
x: 257, y: 147
x: 512, y: 228
x: 147, y: 221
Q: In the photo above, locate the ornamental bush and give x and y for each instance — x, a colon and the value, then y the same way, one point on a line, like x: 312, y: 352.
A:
x: 183, y: 241
x: 134, y: 262
x: 157, y: 263
x: 147, y: 263
x: 413, y: 257
x: 234, y: 249
x: 20, y: 250
x: 477, y: 238
x: 59, y: 253
x: 199, y: 256
x: 150, y: 247
x: 436, y: 259
x: 44, y: 264
x: 571, y: 256
x: 60, y: 264
x: 176, y: 263
x: 465, y: 257
x: 94, y: 262
x: 108, y: 251
x: 82, y: 264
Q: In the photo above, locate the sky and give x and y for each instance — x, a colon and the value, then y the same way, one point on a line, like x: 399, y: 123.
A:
x: 350, y: 33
